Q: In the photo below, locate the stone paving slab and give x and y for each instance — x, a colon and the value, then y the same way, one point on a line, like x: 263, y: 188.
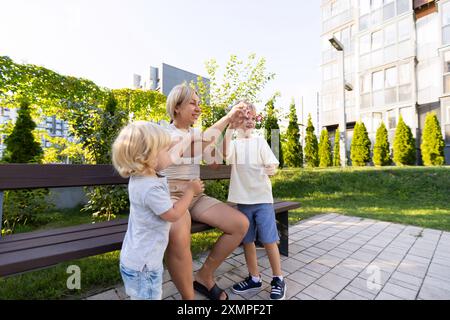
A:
x: 333, y: 256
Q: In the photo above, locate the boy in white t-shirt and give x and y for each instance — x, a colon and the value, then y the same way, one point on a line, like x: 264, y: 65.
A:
x: 252, y: 162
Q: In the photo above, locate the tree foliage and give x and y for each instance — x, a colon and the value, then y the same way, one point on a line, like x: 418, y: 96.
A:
x: 381, y: 149
x: 337, y: 150
x: 271, y: 127
x: 238, y: 81
x: 360, y: 147
x: 432, y: 146
x: 325, y: 150
x: 404, y: 145
x: 293, y: 150
x: 311, y: 146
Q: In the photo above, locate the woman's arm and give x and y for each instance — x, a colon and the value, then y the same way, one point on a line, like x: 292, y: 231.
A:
x: 211, y: 134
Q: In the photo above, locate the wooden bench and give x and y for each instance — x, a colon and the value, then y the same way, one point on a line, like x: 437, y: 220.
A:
x: 25, y: 252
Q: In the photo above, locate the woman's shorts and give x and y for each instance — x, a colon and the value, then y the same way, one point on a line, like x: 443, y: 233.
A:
x: 199, y: 204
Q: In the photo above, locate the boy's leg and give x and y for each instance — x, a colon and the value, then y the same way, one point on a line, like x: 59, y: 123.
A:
x: 274, y: 258
x: 251, y: 259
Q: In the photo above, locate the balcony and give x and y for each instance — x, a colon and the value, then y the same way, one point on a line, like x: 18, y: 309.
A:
x: 337, y: 20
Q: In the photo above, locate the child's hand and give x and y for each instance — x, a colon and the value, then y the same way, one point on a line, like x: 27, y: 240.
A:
x: 197, y: 186
x: 270, y: 170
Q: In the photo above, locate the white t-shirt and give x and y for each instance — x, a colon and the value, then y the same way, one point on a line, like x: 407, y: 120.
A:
x: 248, y: 183
x: 187, y: 168
x: 147, y: 235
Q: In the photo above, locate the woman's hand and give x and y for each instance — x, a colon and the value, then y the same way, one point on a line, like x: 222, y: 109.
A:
x: 237, y: 114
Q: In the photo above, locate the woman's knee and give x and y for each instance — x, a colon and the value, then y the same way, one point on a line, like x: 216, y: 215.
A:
x: 180, y: 234
x: 241, y: 223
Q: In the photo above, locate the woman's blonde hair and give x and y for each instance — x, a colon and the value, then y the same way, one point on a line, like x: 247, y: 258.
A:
x: 178, y: 96
x: 135, y: 150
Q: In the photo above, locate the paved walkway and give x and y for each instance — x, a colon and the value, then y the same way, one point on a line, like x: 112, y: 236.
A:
x: 338, y: 257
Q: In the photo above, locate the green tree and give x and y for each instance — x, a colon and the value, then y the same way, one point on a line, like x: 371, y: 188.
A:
x: 360, y: 147
x: 325, y: 150
x: 432, y: 146
x: 404, y: 145
x: 21, y: 145
x: 381, y: 149
x: 21, y: 206
x: 240, y: 80
x: 311, y: 146
x: 271, y: 127
x: 293, y: 151
x: 337, y: 150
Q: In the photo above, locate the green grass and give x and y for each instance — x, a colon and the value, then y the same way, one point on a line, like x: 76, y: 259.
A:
x: 411, y: 195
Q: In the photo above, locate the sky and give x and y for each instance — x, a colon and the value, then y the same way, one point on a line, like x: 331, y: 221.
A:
x: 107, y: 41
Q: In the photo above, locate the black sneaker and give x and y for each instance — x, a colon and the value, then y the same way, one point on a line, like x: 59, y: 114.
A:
x: 278, y: 291
x: 247, y: 285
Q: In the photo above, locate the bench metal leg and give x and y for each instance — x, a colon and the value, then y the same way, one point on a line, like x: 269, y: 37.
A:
x: 1, y: 212
x: 283, y: 228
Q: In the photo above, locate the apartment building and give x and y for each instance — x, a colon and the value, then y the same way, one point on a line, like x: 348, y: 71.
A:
x: 396, y: 59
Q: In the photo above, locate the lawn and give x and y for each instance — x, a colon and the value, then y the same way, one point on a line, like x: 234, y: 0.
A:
x: 411, y: 195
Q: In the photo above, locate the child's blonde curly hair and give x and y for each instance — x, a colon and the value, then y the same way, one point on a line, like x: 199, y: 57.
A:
x: 135, y: 150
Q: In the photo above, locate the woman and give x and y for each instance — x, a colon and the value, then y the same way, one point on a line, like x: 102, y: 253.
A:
x: 183, y: 108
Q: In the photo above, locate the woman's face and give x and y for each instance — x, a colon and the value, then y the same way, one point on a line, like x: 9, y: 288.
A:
x: 189, y: 112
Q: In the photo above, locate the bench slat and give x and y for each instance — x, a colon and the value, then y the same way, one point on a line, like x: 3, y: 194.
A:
x: 32, y: 176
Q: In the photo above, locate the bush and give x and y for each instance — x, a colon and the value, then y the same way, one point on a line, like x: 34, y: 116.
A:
x: 20, y: 207
x: 360, y: 147
x: 381, y: 151
x: 106, y: 202
x: 311, y: 146
x: 217, y: 189
x: 404, y: 145
x: 432, y: 146
x: 325, y: 150
x: 337, y: 150
x: 293, y: 154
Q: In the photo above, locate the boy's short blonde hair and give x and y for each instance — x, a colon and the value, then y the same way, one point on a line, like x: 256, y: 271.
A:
x: 135, y: 150
x: 178, y: 96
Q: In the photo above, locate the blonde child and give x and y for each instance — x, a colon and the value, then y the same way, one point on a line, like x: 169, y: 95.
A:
x: 252, y: 163
x: 140, y: 150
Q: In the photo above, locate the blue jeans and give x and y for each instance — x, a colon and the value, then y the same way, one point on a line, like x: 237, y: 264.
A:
x: 142, y: 285
x: 262, y: 222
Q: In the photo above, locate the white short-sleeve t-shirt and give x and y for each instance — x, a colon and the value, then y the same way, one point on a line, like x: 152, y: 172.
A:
x: 248, y: 183
x: 147, y: 234
x: 187, y: 168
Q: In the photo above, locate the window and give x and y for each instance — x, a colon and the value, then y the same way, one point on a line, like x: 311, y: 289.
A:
x: 377, y: 83
x: 365, y: 83
x: 377, y: 16
x: 446, y: 23
x: 364, y: 7
x: 404, y: 30
x: 404, y: 74
x: 364, y: 22
x: 392, y: 119
x: 364, y: 44
x: 377, y: 118
x: 390, y: 35
x: 403, y: 6
x: 376, y: 4
x: 377, y: 40
x: 447, y: 72
x: 391, y: 77
x: 389, y: 9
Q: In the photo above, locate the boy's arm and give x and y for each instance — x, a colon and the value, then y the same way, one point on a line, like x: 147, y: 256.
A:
x: 179, y: 208
x: 227, y: 141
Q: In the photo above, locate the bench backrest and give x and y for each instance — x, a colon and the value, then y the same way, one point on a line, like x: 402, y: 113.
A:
x: 32, y: 176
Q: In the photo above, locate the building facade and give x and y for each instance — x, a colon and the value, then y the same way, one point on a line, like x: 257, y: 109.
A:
x: 397, y: 59
x: 165, y: 78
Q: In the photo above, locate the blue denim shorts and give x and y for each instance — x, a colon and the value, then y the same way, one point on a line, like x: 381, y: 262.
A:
x: 142, y: 285
x: 262, y: 223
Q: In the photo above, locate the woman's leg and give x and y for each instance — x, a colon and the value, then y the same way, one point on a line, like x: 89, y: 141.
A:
x: 179, y: 256
x: 234, y: 225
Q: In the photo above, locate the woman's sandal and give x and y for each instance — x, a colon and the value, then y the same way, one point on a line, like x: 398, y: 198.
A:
x: 213, y: 294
